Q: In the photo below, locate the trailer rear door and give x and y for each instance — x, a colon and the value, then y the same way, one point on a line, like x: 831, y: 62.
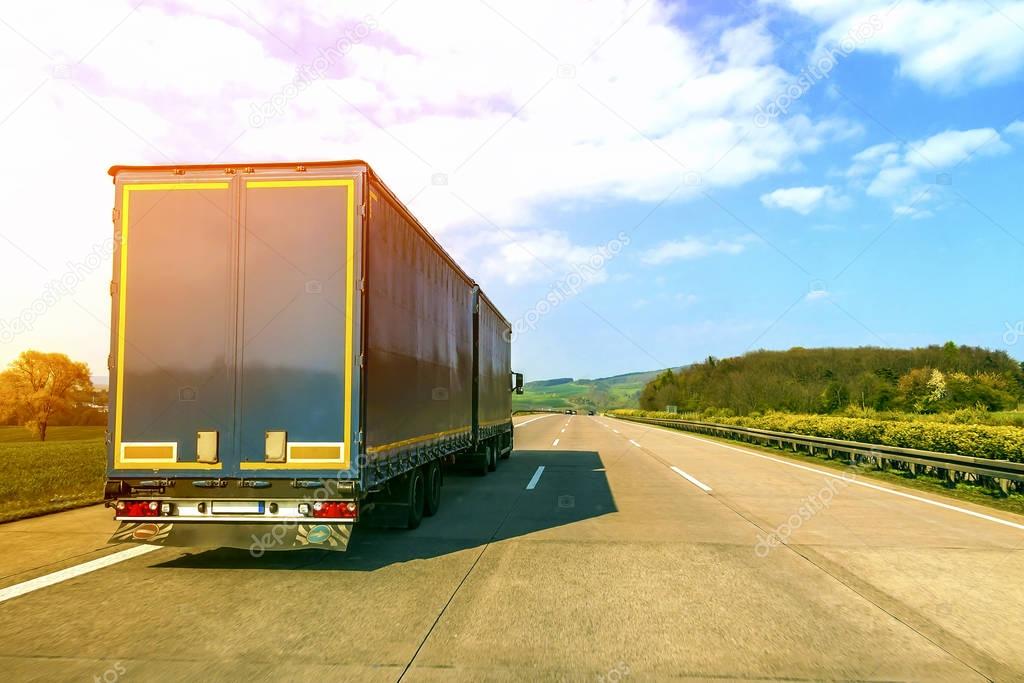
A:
x: 173, y: 333
x: 296, y: 346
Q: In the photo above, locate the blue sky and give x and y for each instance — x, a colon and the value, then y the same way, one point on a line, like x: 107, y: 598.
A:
x: 680, y: 179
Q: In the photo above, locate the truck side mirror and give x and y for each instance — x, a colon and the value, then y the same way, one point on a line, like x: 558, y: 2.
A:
x: 519, y: 382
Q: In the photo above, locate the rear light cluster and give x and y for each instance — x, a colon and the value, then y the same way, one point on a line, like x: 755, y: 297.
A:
x: 334, y: 509
x: 143, y: 508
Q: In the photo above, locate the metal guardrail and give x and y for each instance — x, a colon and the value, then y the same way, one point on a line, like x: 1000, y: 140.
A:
x: 952, y: 467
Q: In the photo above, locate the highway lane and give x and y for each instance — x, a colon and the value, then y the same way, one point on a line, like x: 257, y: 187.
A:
x: 611, y: 565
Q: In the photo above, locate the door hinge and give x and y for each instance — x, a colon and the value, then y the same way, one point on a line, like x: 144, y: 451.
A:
x: 362, y: 360
x: 113, y: 287
x: 114, y: 215
x: 366, y: 211
x: 359, y: 437
x: 362, y: 284
x: 110, y: 362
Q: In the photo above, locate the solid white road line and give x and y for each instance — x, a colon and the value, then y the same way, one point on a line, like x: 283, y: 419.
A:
x: 536, y: 477
x: 634, y: 443
x: 532, y: 419
x: 19, y: 589
x: 555, y: 442
x: 693, y: 480
x: 857, y: 482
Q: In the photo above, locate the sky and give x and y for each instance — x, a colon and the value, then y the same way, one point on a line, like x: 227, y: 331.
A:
x: 637, y: 185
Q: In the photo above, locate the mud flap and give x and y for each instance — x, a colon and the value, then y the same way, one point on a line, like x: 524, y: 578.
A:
x: 256, y: 538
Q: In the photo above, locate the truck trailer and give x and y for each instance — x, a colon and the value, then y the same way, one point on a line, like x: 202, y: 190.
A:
x: 292, y: 352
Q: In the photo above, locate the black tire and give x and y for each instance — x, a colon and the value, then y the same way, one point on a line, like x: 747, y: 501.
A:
x: 432, y: 500
x: 416, y: 495
x: 484, y: 466
x: 492, y: 458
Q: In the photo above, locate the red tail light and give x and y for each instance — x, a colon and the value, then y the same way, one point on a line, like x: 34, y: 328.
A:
x: 138, y: 508
x: 334, y: 509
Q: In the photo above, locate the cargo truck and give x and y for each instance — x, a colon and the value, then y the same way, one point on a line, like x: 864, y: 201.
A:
x: 291, y: 352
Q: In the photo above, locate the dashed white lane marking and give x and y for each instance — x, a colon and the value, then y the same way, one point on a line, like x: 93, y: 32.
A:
x: 563, y: 431
x: 693, y: 480
x: 532, y: 419
x: 536, y: 477
x: 634, y: 443
x: 555, y: 442
x: 47, y: 580
x: 856, y: 482
x: 616, y: 431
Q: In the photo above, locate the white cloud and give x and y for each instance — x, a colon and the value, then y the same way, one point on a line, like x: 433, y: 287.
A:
x: 946, y: 45
x: 953, y: 147
x: 544, y: 255
x: 692, y: 248
x: 803, y: 200
x: 1016, y: 128
x: 905, y: 173
x: 416, y: 95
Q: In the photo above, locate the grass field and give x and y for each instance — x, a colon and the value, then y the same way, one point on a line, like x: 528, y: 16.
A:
x: 53, y: 434
x: 36, y: 478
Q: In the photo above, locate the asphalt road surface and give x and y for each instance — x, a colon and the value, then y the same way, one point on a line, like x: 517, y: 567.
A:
x: 634, y: 554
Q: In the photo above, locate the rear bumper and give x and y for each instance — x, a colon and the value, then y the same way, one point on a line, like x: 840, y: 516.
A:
x: 258, y: 537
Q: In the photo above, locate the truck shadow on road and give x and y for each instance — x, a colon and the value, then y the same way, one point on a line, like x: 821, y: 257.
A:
x: 573, y: 487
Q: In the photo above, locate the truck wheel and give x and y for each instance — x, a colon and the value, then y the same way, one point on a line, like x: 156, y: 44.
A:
x: 492, y: 458
x: 416, y: 495
x: 433, y: 489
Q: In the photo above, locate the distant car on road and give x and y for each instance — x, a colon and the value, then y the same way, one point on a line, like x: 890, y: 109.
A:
x: 591, y: 412
x: 568, y: 412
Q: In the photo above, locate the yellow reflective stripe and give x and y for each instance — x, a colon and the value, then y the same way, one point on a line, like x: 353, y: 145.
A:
x: 323, y: 182
x: 177, y: 186
x: 152, y: 467
x: 325, y: 465
x: 409, y: 442
x: 126, y: 191
x: 137, y: 452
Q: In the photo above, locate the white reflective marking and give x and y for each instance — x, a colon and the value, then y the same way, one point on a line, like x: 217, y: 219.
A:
x: 47, y: 580
x: 634, y: 443
x: 532, y: 419
x: 692, y: 480
x: 555, y: 442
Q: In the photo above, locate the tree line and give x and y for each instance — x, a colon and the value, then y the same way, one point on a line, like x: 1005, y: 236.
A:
x: 829, y: 380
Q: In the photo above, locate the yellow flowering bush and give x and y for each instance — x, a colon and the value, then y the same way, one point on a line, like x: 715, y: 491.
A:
x: 980, y: 441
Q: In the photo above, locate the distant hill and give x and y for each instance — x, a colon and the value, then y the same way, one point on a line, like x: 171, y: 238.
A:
x: 618, y: 391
